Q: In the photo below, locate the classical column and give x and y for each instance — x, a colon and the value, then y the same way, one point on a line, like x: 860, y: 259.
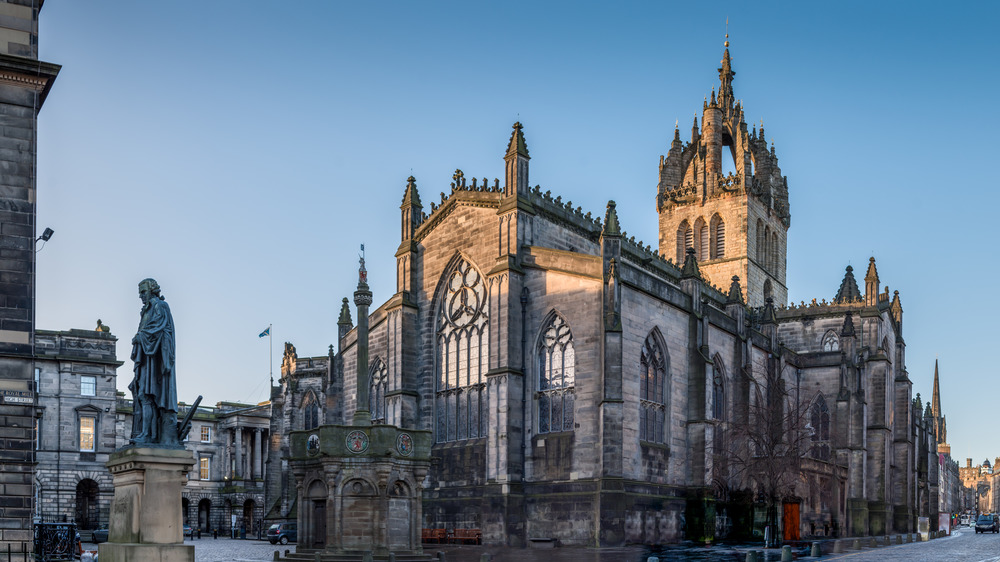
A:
x: 238, y: 437
x: 258, y: 465
x: 363, y: 299
x: 227, y: 457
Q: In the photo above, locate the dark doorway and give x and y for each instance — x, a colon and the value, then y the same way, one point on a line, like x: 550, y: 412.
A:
x: 319, y: 523
x: 87, y: 511
x: 204, y: 515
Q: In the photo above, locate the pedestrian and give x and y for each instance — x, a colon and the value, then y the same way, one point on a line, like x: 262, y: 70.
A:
x: 199, y: 532
x: 215, y: 533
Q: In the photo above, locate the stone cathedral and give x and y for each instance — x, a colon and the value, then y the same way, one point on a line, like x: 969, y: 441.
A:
x: 581, y: 387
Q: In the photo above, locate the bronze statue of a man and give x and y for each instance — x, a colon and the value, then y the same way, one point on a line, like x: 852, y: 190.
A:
x: 154, y: 388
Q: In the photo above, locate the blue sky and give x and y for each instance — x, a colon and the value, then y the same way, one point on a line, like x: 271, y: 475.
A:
x: 239, y: 152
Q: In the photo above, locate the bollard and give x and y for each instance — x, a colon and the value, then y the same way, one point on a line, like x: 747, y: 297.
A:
x: 838, y: 547
x: 786, y: 553
x: 650, y: 559
x: 366, y: 557
x: 277, y: 555
x: 317, y: 557
x: 899, y: 539
x: 815, y: 551
x: 857, y: 544
x: 392, y: 557
x: 909, y: 537
x: 286, y: 552
x: 440, y: 556
x: 750, y: 557
x: 888, y: 540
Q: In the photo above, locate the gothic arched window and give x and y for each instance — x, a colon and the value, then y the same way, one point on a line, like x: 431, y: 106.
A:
x: 556, y: 377
x: 760, y: 242
x: 831, y: 342
x: 819, y: 419
x: 377, y: 379
x: 718, y: 390
x: 685, y: 240
x: 463, y: 351
x: 701, y: 229
x: 310, y: 414
x: 718, y: 228
x: 652, y: 391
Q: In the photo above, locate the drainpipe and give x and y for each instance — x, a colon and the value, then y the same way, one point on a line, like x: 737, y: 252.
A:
x: 524, y: 380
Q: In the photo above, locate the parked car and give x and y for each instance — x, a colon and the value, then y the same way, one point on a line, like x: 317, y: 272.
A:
x: 188, y: 531
x: 282, y: 532
x: 101, y: 534
x: 988, y: 523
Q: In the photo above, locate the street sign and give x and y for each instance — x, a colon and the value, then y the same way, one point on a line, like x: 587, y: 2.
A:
x: 17, y: 396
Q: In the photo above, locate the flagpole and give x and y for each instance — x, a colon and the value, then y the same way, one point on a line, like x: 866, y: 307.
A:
x: 270, y: 358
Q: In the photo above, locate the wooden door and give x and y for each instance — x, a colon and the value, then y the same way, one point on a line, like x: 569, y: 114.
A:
x: 790, y: 521
x: 319, y: 524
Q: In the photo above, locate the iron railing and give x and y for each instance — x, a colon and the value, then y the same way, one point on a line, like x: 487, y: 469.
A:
x: 55, y: 541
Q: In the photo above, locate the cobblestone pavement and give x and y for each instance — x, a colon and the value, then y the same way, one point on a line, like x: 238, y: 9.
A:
x: 963, y: 544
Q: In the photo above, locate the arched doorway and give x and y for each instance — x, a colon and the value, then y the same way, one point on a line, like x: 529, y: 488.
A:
x: 185, y: 506
x: 230, y: 517
x: 316, y: 502
x: 248, y: 507
x: 205, y: 515
x: 87, y: 511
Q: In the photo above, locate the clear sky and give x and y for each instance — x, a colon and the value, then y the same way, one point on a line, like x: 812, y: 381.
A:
x: 239, y: 152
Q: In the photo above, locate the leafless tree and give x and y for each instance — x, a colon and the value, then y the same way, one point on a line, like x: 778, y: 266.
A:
x: 765, y: 445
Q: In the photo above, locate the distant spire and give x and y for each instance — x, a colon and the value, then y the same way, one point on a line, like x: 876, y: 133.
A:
x: 871, y: 284
x: 848, y: 289
x: 694, y: 130
x: 936, y: 397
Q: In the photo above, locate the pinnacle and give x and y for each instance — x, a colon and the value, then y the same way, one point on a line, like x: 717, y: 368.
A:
x: 517, y: 144
x: 611, y: 227
x: 410, y: 197
x: 848, y: 291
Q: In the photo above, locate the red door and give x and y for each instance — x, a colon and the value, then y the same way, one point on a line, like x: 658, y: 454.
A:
x: 790, y: 522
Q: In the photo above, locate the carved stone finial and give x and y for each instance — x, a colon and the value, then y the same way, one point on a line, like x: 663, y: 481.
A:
x: 611, y: 227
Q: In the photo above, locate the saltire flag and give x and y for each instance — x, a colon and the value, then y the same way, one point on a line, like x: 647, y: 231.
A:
x: 266, y: 332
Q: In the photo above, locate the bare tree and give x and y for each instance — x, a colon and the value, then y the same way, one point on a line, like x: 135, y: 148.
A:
x: 764, y: 450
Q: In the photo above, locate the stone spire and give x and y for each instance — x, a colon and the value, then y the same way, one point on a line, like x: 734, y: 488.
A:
x: 848, y: 291
x: 690, y: 268
x: 871, y: 284
x: 611, y: 227
x: 516, y: 174
x: 735, y: 293
x: 726, y: 78
x: 411, y: 209
x: 936, y: 396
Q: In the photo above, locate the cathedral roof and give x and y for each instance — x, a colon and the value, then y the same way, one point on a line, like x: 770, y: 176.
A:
x: 848, y: 291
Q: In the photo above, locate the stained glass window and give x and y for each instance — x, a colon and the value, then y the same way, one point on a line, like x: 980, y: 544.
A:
x: 556, y: 377
x: 652, y: 398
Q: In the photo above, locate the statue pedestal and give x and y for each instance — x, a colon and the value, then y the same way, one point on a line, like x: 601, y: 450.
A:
x: 146, y: 520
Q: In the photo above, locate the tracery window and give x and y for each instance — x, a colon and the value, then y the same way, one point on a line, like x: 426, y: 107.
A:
x: 556, y: 377
x: 819, y: 419
x: 310, y: 417
x: 376, y: 391
x: 830, y: 341
x: 652, y: 398
x: 463, y: 351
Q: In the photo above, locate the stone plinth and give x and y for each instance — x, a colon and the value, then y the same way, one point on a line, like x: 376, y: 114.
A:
x: 146, y: 522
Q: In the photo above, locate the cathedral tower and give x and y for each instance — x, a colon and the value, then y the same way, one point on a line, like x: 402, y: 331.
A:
x: 723, y: 195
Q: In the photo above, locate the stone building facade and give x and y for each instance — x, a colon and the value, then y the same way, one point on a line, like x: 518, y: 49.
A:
x: 76, y: 373
x: 225, y: 489
x: 585, y: 387
x: 25, y: 81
